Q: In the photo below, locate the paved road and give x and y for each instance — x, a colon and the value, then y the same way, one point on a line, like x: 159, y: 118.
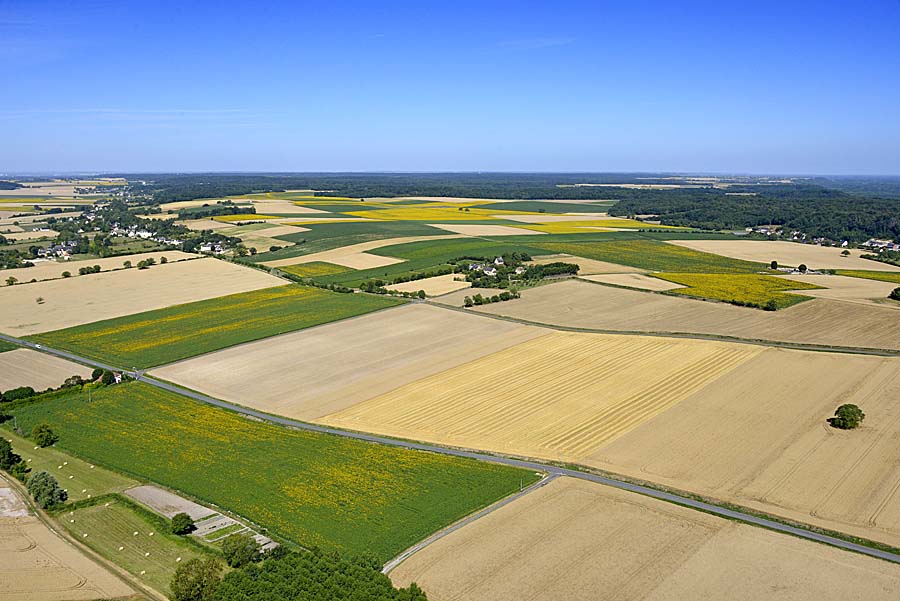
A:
x: 551, y: 470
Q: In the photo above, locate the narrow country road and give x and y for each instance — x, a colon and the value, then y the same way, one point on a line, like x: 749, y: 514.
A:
x: 552, y: 470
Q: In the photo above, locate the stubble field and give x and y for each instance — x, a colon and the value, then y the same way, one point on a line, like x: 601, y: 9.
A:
x: 558, y: 397
x: 84, y: 299
x: 581, y: 541
x: 786, y: 253
x: 24, y: 367
x: 50, y: 270
x: 309, y: 374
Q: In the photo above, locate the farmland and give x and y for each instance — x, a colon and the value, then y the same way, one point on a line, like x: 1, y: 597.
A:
x: 166, y: 335
x: 548, y: 397
x: 871, y: 275
x: 652, y: 255
x: 53, y: 269
x: 38, y: 565
x: 78, y: 300
x: 314, y: 489
x: 151, y: 555
x: 314, y: 269
x: 24, y: 367
x: 582, y: 541
x: 752, y: 290
x: 585, y: 305
x: 781, y: 456
x: 787, y: 253
x: 311, y: 373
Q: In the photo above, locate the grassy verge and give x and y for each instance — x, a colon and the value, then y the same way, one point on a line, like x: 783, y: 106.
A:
x: 166, y: 335
x: 7, y: 346
x: 313, y: 489
x: 751, y: 290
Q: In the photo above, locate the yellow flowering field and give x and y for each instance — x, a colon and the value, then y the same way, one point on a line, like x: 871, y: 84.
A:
x: 315, y: 268
x: 166, y: 335
x: 884, y: 276
x: 748, y: 289
x: 311, y: 488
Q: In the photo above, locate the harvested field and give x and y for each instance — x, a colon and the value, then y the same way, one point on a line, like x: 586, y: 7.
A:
x: 204, y: 224
x: 436, y: 286
x: 30, y: 235
x: 83, y: 299
x: 25, y: 367
x: 309, y: 374
x: 574, y: 540
x: 586, y: 266
x: 38, y: 565
x: 182, y: 331
x: 786, y: 253
x: 356, y: 254
x: 819, y: 321
x: 633, y: 280
x: 851, y: 289
x: 483, y: 229
x: 314, y: 489
x: 781, y: 456
x: 49, y: 270
x: 559, y: 397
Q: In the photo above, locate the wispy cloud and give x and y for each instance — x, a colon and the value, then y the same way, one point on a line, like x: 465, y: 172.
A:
x: 533, y: 43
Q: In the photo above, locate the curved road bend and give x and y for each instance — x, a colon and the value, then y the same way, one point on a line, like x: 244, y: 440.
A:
x: 552, y: 470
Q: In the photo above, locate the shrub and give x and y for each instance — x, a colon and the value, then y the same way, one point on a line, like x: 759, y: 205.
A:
x: 7, y: 457
x: 96, y: 373
x: 181, y: 523
x: 240, y: 550
x: 895, y: 294
x: 66, y: 274
x: 847, y: 417
x: 107, y: 377
x: 127, y: 264
x: 43, y: 436
x: 163, y: 260
x: 803, y: 268
x: 14, y: 394
x: 45, y: 490
x: 773, y: 265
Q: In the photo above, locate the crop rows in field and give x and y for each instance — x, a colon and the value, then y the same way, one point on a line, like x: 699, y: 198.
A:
x: 748, y: 289
x: 314, y: 489
x: 174, y: 333
x: 314, y: 269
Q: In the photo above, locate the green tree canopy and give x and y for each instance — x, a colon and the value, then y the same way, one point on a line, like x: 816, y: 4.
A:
x: 847, y: 417
x: 46, y: 490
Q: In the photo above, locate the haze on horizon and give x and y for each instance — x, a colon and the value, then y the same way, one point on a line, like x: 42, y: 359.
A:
x: 106, y: 86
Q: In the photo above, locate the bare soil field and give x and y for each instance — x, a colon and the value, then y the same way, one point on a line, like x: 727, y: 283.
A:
x: 204, y: 224
x: 84, y: 299
x: 760, y: 438
x: 49, y: 270
x: 633, y: 280
x: 560, y: 397
x: 586, y: 266
x: 577, y: 541
x: 482, y: 229
x: 25, y: 367
x: 850, y: 289
x: 579, y: 304
x: 168, y: 504
x: 786, y: 253
x: 38, y: 565
x: 436, y: 286
x: 355, y: 255
x: 321, y: 370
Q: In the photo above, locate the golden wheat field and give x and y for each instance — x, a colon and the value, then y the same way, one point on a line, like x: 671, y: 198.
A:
x: 436, y: 286
x: 585, y: 266
x: 572, y: 303
x: 760, y: 438
x: 786, y: 253
x: 311, y: 373
x: 88, y: 298
x: 578, y: 541
x: 24, y: 367
x: 559, y: 397
x: 48, y: 270
x: 38, y: 565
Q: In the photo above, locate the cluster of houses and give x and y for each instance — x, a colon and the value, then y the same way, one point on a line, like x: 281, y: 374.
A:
x: 135, y: 231
x: 490, y: 269
x: 794, y: 236
x: 876, y: 244
x: 62, y: 251
x: 212, y: 247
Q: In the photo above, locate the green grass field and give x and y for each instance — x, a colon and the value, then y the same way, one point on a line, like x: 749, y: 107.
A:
x: 314, y: 489
x: 739, y: 289
x: 884, y: 276
x: 174, y: 333
x: 7, y: 346
x: 653, y: 255
x: 78, y: 477
x: 152, y: 559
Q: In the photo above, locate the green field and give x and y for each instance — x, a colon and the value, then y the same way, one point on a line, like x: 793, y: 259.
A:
x: 7, y: 346
x: 314, y: 489
x: 166, y: 335
x: 327, y: 236
x: 78, y: 477
x: 884, y: 276
x: 110, y: 527
x: 739, y: 289
x: 652, y: 255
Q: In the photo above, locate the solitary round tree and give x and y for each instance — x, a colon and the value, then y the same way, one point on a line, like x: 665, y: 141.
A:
x: 895, y: 294
x: 182, y: 523
x: 46, y: 490
x: 803, y: 268
x: 43, y: 436
x: 847, y: 417
x: 773, y: 265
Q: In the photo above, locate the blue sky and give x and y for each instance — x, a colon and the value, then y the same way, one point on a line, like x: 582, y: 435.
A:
x: 755, y: 87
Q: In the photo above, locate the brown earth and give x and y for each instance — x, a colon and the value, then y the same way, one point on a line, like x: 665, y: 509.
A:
x: 25, y: 367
